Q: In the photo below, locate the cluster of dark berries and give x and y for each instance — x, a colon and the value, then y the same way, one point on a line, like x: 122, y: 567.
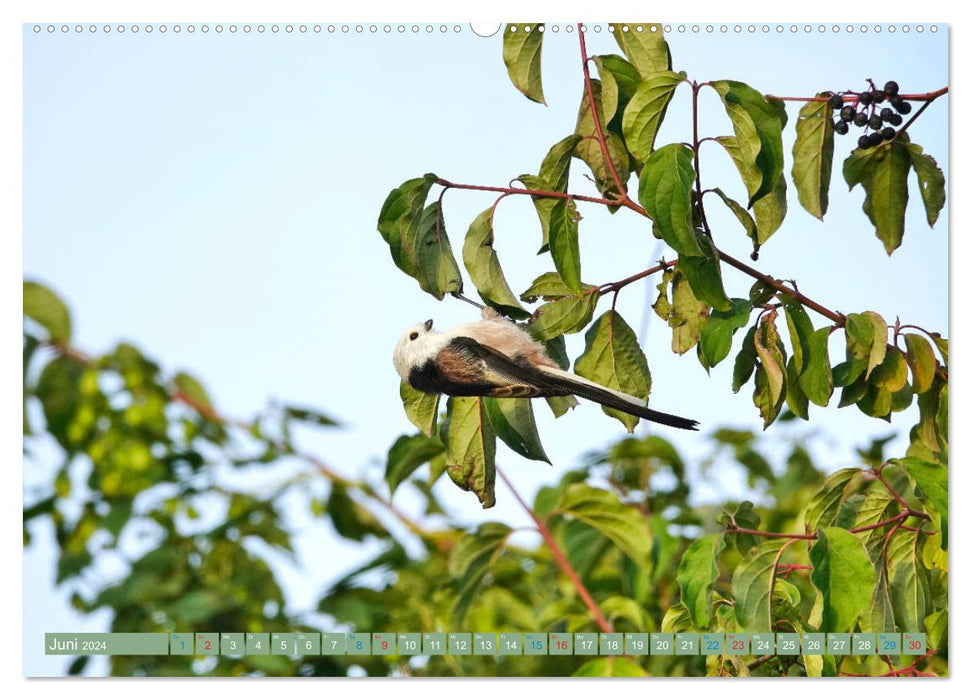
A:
x: 866, y: 114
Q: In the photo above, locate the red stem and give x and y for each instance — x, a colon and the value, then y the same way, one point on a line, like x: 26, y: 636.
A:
x: 560, y: 558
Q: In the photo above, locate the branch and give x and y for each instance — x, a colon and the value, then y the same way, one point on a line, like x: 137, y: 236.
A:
x: 854, y: 97
x: 601, y: 138
x: 617, y: 286
x: 447, y: 184
x: 560, y: 558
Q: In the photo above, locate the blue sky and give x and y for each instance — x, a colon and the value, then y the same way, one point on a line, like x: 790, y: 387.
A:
x: 213, y: 198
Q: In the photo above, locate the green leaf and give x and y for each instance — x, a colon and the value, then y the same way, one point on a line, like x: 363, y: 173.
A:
x: 906, y: 578
x: 823, y: 508
x: 812, y: 156
x: 619, y: 79
x: 60, y: 396
x: 543, y: 205
x: 192, y: 388
x: 697, y: 574
x: 795, y: 397
x: 744, y: 361
x: 613, y: 358
x: 555, y: 169
x: 752, y: 586
x: 882, y: 170
x: 564, y: 243
x: 437, y: 273
x: 705, y: 276
x: 421, y: 408
x: 482, y: 263
x: 684, y: 313
x: 622, y: 524
x: 770, y: 375
x: 891, y: 374
x: 716, y: 337
x: 920, y: 358
x: 401, y: 212
x: 844, y: 575
x: 471, y: 559
x: 407, y: 454
x: 816, y: 380
x: 665, y: 191
x: 645, y: 111
x: 522, y: 53
x: 866, y: 338
x: 550, y: 286
x: 566, y: 315
x: 610, y: 667
x: 743, y: 516
x: 589, y: 149
x: 308, y: 415
x: 744, y: 218
x: 351, y: 520
x: 931, y: 480
x: 646, y: 49
x: 758, y: 130
x: 46, y: 308
x: 930, y: 181
x: 515, y: 425
x: 770, y: 210
x: 470, y: 447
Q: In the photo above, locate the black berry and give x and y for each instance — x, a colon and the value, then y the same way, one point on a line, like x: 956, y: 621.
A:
x: 875, y: 122
x: 896, y: 119
x: 903, y: 107
x: 835, y: 101
x: 886, y: 113
x: 863, y: 141
x: 879, y: 96
x: 860, y: 119
x: 875, y: 138
x: 866, y: 98
x: 847, y: 114
x: 891, y: 88
x: 840, y: 127
x: 888, y: 133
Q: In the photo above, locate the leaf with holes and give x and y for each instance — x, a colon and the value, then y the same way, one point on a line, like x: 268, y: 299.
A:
x: 882, y: 170
x: 930, y: 181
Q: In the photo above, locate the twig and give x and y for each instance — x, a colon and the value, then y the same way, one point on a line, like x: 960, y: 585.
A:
x: 560, y: 558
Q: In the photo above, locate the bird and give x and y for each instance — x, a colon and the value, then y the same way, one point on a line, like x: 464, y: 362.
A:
x: 495, y: 357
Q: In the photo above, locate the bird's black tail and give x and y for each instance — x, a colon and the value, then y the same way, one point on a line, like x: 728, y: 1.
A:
x: 611, y: 398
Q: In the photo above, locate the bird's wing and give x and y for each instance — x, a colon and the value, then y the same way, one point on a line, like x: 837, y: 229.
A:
x: 467, y: 360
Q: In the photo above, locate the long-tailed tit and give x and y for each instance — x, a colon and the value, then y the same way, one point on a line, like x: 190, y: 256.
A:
x: 494, y: 357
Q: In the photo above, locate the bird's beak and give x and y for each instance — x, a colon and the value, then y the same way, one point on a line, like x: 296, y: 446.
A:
x: 428, y: 324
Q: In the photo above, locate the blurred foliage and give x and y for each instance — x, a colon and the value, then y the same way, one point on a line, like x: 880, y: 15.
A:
x: 147, y: 467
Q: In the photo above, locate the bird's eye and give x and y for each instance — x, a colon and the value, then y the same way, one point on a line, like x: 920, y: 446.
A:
x: 413, y: 336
